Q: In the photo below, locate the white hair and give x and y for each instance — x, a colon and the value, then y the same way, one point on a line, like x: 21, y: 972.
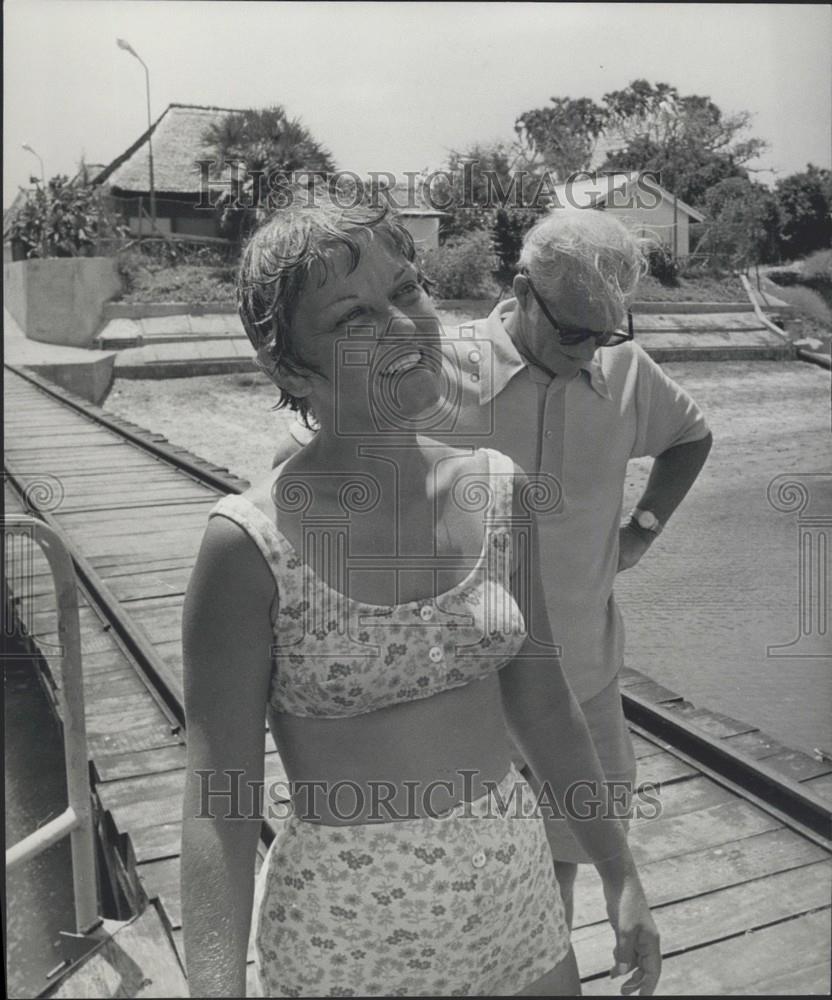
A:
x: 586, y: 256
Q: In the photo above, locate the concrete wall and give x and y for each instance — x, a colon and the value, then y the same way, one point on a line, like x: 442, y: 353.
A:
x: 60, y: 301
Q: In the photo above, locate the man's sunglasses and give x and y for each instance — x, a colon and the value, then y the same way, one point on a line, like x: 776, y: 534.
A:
x: 576, y: 335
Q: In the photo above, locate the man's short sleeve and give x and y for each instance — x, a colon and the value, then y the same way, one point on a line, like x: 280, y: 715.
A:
x: 666, y: 414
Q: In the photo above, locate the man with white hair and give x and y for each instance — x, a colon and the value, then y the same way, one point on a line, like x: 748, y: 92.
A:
x: 569, y: 395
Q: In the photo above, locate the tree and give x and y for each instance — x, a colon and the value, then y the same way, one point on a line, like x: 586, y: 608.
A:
x: 562, y: 137
x: 264, y: 149
x: 805, y: 201
x: 64, y: 220
x: 476, y: 182
x: 507, y: 232
x: 687, y: 140
x: 743, y: 223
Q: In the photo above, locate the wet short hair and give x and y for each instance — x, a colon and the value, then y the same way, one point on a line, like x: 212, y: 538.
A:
x: 277, y: 263
x: 589, y: 251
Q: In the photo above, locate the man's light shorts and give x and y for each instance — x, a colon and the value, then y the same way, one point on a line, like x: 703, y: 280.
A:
x: 608, y: 727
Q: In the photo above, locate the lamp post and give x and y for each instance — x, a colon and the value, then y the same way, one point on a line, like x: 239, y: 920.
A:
x: 122, y: 44
x: 43, y: 244
x: 29, y: 149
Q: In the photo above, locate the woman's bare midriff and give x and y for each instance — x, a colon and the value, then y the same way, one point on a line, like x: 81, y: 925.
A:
x: 411, y: 760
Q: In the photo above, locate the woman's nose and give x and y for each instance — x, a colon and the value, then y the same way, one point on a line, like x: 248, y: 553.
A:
x: 400, y: 324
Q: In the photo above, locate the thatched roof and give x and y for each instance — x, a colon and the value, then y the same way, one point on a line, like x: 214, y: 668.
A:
x: 177, y: 144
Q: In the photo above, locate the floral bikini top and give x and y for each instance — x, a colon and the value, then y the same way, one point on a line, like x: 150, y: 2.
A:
x: 334, y: 657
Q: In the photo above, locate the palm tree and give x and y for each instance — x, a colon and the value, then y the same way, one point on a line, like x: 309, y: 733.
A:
x: 265, y: 149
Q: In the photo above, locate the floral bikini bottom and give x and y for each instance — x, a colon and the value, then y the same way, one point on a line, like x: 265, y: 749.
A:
x: 464, y: 904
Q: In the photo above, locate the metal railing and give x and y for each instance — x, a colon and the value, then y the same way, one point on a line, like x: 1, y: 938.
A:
x: 77, y: 819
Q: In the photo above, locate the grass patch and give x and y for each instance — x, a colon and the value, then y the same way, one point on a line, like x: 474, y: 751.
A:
x: 148, y: 281
x: 693, y: 288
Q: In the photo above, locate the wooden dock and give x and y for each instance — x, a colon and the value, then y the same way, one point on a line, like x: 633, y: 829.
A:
x: 741, y: 893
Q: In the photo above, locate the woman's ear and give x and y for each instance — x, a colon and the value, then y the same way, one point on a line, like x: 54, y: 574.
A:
x: 295, y: 383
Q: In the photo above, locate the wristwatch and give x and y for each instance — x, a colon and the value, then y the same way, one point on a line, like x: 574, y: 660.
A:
x: 646, y: 520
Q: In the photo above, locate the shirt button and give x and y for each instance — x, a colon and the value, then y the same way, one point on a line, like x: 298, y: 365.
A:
x: 478, y: 860
x: 548, y: 434
x: 435, y: 653
x: 426, y: 613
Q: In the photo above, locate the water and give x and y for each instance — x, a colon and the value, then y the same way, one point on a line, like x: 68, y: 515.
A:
x: 39, y: 895
x: 721, y: 585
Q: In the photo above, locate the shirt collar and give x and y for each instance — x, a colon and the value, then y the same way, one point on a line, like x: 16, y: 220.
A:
x: 507, y: 361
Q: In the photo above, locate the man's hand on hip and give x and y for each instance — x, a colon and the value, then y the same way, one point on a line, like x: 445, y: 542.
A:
x: 632, y: 544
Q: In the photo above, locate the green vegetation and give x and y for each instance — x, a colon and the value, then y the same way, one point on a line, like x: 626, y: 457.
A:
x: 807, y: 286
x: 692, y: 287
x: 147, y: 280
x: 463, y: 267
x: 63, y: 220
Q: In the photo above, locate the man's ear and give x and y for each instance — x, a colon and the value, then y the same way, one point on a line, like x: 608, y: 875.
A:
x: 520, y: 287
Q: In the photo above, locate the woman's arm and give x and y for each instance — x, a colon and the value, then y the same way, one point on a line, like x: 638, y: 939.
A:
x: 226, y: 639
x: 547, y: 724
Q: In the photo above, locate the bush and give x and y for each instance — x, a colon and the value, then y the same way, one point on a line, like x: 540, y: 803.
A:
x: 663, y: 266
x: 807, y: 303
x: 462, y: 268
x: 817, y: 268
x: 145, y: 279
x: 804, y: 202
x: 64, y: 220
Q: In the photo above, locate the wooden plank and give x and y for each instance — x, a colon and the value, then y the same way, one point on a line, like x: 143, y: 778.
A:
x: 711, y: 722
x: 628, y: 676
x: 797, y: 765
x: 677, y: 799
x: 108, y: 704
x: 821, y: 786
x: 644, y: 748
x: 99, y: 690
x: 177, y: 511
x: 137, y: 717
x: 107, y: 661
x: 161, y: 878
x: 813, y: 980
x: 108, y: 566
x: 154, y: 843
x: 675, y: 878
x: 94, y: 507
x: 757, y: 745
x: 654, y: 693
x: 150, y: 585
x: 148, y: 800
x: 777, y: 951
x: 131, y: 765
x: 156, y: 798
x: 116, y: 532
x: 138, y: 961
x: 713, y: 916
x: 669, y: 836
x: 148, y: 545
x: 662, y: 769
x: 141, y: 736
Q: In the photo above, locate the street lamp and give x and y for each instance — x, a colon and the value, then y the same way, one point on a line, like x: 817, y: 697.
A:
x: 29, y: 149
x: 122, y: 44
x: 43, y: 244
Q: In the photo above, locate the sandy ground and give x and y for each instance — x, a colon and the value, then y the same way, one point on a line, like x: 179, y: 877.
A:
x: 717, y: 588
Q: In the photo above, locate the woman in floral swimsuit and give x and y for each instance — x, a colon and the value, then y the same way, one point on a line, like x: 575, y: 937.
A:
x: 377, y: 598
